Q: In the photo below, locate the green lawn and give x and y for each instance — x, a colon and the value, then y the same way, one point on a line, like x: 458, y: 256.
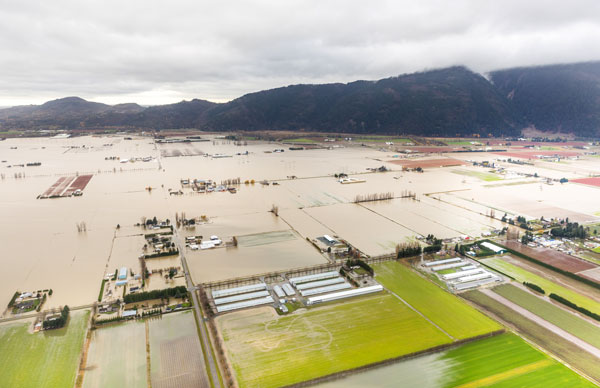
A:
x: 523, y: 275
x: 268, y: 350
x: 447, y: 311
x: 551, y: 313
x: 597, y: 249
x: 45, y: 359
x: 484, y: 176
x: 554, y: 343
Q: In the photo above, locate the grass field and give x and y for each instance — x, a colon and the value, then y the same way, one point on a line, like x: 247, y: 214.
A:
x: 44, y: 359
x: 453, y: 315
x: 551, y: 313
x: 522, y: 275
x: 484, y: 176
x: 553, y: 343
x: 175, y: 351
x: 117, y: 357
x: 504, y: 360
x: 271, y: 351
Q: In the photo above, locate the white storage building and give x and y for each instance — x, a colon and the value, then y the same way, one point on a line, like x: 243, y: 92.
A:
x: 289, y: 291
x: 278, y: 291
x: 312, y: 278
x: 439, y: 262
x: 244, y: 304
x: 240, y: 297
x: 319, y: 283
x: 461, y: 274
x: 238, y: 290
x: 322, y: 290
x: 449, y: 266
x: 344, y: 294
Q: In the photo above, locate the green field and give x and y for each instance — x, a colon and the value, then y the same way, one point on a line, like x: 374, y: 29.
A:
x: 551, y: 313
x: 484, y: 176
x: 268, y: 350
x: 446, y: 310
x: 522, y: 275
x: 505, y: 360
x: 45, y: 359
x: 554, y: 343
x: 117, y: 356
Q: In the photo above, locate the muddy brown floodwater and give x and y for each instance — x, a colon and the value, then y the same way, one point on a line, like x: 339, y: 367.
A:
x: 68, y: 244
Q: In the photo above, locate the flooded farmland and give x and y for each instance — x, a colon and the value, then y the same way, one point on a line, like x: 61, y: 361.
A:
x: 69, y: 244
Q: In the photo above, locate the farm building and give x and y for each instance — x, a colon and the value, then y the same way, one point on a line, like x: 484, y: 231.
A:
x: 492, y: 247
x: 319, y: 283
x: 440, y: 262
x: 240, y: 297
x: 322, y: 290
x: 289, y: 291
x: 244, y: 304
x: 329, y: 239
x: 311, y: 278
x: 123, y: 273
x: 344, y: 294
x: 450, y: 266
x: 278, y: 291
x: 461, y: 274
x: 238, y: 290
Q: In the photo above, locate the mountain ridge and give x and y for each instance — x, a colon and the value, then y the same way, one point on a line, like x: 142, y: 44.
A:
x: 453, y: 101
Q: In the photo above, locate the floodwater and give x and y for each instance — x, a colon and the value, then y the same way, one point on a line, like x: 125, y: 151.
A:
x: 42, y: 247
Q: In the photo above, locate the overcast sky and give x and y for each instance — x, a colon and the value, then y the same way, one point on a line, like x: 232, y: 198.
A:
x: 155, y: 52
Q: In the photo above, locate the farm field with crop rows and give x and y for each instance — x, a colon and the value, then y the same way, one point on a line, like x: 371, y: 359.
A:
x: 523, y: 275
x: 501, y: 361
x: 551, y: 313
x: 447, y: 311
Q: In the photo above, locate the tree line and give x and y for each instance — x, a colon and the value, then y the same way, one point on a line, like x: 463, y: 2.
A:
x: 174, y: 292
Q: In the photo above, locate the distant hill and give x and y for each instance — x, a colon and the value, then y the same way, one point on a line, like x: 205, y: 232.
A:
x: 453, y: 101
x: 447, y: 102
x: 558, y: 98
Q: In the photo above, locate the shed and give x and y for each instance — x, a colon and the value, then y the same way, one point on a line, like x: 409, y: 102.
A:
x: 123, y: 273
x: 492, y: 247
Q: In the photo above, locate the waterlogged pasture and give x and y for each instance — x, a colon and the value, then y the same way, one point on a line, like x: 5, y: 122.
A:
x: 268, y: 350
x: 117, y: 357
x: 446, y: 310
x: 44, y: 359
x: 501, y: 361
x: 175, y: 351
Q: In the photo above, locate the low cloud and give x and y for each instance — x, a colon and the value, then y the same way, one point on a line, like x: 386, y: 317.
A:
x: 156, y: 52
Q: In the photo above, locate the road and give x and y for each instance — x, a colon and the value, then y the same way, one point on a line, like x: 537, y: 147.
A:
x: 542, y: 322
x: 203, y: 333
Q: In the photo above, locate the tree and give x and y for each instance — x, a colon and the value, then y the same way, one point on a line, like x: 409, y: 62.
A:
x: 172, y: 273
